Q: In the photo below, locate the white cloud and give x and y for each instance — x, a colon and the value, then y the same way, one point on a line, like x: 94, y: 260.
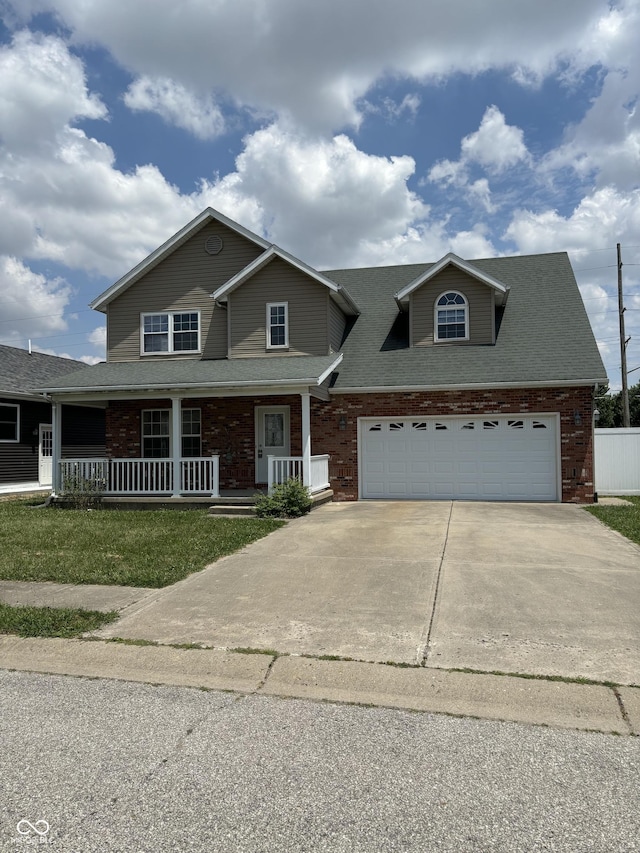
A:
x: 315, y: 61
x: 42, y: 87
x: 393, y: 110
x: 604, y: 146
x: 98, y: 337
x: 495, y: 146
x: 603, y: 218
x: 199, y: 115
x: 321, y: 199
x: 30, y: 304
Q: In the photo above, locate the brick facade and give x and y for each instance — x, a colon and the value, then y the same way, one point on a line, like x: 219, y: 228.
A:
x: 228, y: 429
x: 576, y: 440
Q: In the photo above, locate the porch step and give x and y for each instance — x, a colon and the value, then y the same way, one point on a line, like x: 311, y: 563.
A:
x: 245, y: 506
x: 232, y: 510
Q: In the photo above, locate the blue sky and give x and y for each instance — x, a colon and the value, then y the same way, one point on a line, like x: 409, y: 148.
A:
x: 349, y: 132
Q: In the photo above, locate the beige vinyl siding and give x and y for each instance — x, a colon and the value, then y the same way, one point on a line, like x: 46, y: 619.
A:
x: 337, y: 322
x: 307, y: 309
x: 481, y: 308
x: 183, y: 281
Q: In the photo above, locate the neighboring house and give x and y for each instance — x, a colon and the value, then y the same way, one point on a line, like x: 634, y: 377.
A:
x: 231, y: 364
x: 25, y: 419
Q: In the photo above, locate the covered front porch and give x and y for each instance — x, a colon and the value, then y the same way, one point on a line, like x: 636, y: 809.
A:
x: 206, y: 447
x: 178, y: 477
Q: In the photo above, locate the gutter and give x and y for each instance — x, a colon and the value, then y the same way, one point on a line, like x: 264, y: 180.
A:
x: 480, y: 386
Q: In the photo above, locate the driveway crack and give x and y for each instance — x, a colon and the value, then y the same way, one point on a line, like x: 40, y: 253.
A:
x: 623, y: 710
x: 267, y: 674
x: 425, y: 645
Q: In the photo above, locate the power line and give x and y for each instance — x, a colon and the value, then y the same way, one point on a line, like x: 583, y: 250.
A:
x: 44, y: 316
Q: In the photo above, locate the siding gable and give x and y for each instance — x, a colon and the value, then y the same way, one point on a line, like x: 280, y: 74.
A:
x: 481, y: 299
x: 184, y: 280
x: 308, y: 304
x: 337, y: 325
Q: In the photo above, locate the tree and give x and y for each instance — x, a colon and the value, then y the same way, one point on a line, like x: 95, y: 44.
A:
x: 610, y: 407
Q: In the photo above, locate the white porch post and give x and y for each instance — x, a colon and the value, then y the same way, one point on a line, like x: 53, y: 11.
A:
x: 56, y: 447
x: 306, y: 439
x: 176, y: 445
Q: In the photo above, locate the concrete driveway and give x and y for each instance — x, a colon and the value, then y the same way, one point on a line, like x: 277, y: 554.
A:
x: 536, y: 588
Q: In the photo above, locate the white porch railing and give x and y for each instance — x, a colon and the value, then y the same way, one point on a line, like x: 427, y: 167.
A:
x: 283, y: 468
x: 198, y: 476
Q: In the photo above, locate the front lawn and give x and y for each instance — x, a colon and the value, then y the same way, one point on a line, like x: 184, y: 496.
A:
x: 624, y: 519
x: 51, y: 621
x: 128, y: 548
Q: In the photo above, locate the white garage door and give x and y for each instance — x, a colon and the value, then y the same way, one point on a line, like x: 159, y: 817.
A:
x: 493, y: 458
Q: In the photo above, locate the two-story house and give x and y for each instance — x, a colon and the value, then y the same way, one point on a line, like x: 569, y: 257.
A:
x: 232, y: 364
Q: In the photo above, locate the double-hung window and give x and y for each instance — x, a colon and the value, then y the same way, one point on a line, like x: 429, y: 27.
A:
x: 170, y: 332
x: 156, y: 433
x: 9, y: 422
x: 191, y: 432
x: 277, y: 325
x: 452, y: 317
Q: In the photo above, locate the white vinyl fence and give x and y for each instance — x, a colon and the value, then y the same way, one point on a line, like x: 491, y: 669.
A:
x: 617, y: 461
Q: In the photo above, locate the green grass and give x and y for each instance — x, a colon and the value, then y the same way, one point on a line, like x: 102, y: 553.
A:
x: 51, y: 621
x: 624, y: 519
x: 127, y: 548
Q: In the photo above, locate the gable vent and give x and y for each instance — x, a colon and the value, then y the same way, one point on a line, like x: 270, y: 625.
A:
x: 213, y: 245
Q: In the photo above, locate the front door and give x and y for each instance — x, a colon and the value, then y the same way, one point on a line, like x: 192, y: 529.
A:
x: 45, y: 449
x: 272, y: 436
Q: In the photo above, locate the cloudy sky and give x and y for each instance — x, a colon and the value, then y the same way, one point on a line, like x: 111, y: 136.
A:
x: 349, y: 132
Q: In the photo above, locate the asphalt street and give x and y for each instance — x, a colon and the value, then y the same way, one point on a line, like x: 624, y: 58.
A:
x: 95, y: 765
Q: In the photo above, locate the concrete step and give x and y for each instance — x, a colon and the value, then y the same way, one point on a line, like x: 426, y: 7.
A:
x: 232, y: 510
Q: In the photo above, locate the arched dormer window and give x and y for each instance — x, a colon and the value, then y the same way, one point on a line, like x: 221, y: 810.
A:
x: 451, y: 317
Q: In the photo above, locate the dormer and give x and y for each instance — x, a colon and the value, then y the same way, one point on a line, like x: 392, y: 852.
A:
x: 452, y: 303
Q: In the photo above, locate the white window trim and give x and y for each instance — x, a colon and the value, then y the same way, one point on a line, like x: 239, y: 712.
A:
x: 15, y: 440
x: 170, y: 315
x: 169, y: 433
x: 143, y: 436
x: 443, y: 307
x: 197, y: 435
x: 284, y: 305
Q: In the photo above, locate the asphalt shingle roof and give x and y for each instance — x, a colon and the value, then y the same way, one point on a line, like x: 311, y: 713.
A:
x: 544, y: 335
x: 164, y: 373
x: 21, y: 371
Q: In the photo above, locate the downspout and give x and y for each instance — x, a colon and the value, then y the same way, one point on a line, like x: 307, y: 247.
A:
x: 56, y: 448
x: 306, y: 439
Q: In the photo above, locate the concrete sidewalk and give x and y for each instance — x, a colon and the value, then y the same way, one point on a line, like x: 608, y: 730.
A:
x: 530, y: 701
x: 85, y: 596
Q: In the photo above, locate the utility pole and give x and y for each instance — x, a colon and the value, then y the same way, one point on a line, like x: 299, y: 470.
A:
x: 626, y: 417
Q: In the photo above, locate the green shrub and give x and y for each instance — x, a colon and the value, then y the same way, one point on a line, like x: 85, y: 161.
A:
x: 81, y: 493
x: 287, y: 500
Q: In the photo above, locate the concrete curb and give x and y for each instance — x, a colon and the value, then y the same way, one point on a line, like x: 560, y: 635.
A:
x: 560, y: 704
